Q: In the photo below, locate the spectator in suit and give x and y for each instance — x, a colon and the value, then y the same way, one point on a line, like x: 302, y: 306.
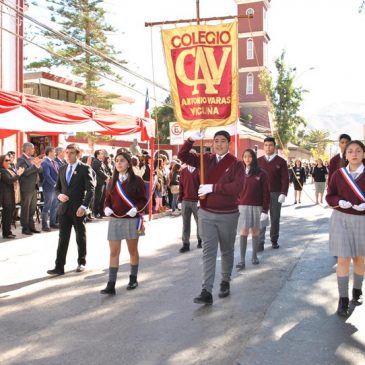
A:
x: 50, y: 173
x: 74, y: 190
x: 60, y: 156
x: 102, y: 178
x: 28, y: 187
x: 9, y: 193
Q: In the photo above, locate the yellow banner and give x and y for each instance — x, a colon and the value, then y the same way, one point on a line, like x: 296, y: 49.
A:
x: 202, y: 66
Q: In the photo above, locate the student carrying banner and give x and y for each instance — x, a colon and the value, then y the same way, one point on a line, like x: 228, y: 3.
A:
x: 218, y: 212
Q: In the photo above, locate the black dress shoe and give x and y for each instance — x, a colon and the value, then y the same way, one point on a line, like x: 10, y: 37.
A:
x: 46, y: 229
x: 27, y: 231
x: 33, y: 230
x: 109, y: 289
x: 274, y: 245
x: 56, y: 271
x: 132, y: 282
x: 10, y: 236
x: 56, y: 226
x: 199, y: 244
x: 185, y: 248
x: 356, y: 297
x: 224, y: 289
x: 204, y: 298
x: 241, y: 266
x: 343, y: 307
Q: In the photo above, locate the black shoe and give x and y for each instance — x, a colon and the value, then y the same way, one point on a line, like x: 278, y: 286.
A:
x: 260, y: 247
x: 204, y: 298
x: 224, y: 290
x: 255, y: 261
x: 274, y: 245
x: 241, y: 266
x: 343, y: 307
x: 56, y: 226
x: 185, y: 248
x: 295, y: 202
x: 132, y: 282
x: 46, y: 229
x: 10, y: 236
x: 27, y: 231
x: 56, y: 271
x: 356, y: 297
x: 199, y: 245
x: 109, y: 289
x: 33, y: 230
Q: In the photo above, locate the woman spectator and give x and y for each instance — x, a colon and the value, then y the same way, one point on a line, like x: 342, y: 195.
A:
x: 125, y: 199
x: 160, y: 185
x: 346, y: 194
x: 319, y: 175
x: 298, y: 179
x: 9, y: 192
x: 174, y: 179
x: 253, y: 205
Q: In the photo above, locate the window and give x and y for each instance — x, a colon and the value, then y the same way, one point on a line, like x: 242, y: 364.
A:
x: 249, y: 49
x: 249, y: 84
x: 250, y: 11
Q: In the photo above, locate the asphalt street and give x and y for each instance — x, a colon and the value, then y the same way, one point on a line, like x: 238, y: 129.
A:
x: 282, y: 311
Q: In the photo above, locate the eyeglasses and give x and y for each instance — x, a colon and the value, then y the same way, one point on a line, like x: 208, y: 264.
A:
x: 7, y: 160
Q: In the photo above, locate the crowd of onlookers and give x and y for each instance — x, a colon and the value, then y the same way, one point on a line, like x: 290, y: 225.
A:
x: 27, y: 185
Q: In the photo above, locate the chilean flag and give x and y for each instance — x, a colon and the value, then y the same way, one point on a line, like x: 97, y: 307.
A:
x: 147, y: 106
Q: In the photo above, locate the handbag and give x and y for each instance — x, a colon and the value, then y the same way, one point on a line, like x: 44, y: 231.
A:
x: 174, y: 189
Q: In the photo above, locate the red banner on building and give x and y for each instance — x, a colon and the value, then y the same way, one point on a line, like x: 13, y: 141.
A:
x: 202, y: 67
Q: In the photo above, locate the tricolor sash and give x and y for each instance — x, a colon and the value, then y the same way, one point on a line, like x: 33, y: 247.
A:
x: 352, y: 184
x: 122, y: 194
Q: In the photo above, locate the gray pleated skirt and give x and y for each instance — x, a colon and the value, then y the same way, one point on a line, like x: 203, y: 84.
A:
x: 320, y: 186
x: 347, y: 232
x: 249, y: 216
x: 123, y: 229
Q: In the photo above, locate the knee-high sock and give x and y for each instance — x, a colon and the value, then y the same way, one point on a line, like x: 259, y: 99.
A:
x: 113, y: 274
x: 134, y: 270
x: 255, y: 246
x: 358, y: 279
x: 243, y: 247
x: 343, y: 286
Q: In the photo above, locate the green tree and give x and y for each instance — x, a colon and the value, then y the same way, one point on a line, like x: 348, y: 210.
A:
x: 83, y: 21
x: 317, y: 141
x: 285, y: 100
x: 164, y: 115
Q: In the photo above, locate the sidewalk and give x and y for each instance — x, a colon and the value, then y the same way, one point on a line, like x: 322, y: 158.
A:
x: 280, y: 312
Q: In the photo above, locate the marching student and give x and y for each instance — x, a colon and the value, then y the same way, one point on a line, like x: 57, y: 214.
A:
x: 253, y: 205
x: 346, y: 194
x: 338, y: 161
x: 218, y: 212
x: 298, y: 178
x: 125, y: 198
x: 277, y: 171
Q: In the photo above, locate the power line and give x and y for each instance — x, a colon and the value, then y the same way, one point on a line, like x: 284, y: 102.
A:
x: 84, y: 47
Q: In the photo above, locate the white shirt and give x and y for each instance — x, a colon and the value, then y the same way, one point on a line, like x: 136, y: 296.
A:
x: 269, y: 158
x: 358, y: 171
x: 220, y: 157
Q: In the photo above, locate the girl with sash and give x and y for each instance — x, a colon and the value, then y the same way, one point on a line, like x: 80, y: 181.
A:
x: 124, y: 203
x: 253, y: 205
x: 347, y: 224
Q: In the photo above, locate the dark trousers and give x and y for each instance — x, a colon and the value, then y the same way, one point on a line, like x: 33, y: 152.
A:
x: 66, y: 221
x: 7, y: 218
x: 99, y: 198
x: 28, y: 206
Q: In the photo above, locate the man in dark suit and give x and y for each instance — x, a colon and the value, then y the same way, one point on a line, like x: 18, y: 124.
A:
x: 60, y: 155
x: 50, y: 174
x: 28, y: 187
x: 101, y: 179
x: 74, y: 190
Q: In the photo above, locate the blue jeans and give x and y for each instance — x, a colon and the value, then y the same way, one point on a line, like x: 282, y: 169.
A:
x: 174, y: 202
x: 50, y: 206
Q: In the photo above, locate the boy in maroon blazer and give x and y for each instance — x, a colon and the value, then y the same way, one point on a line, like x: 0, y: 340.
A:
x: 277, y: 170
x: 218, y: 212
x: 338, y: 160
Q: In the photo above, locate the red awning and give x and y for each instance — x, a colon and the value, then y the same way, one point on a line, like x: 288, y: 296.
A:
x: 28, y: 113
